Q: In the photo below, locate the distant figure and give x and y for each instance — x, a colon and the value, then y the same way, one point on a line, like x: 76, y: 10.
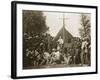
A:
x: 60, y: 43
x: 36, y: 58
x: 29, y: 55
x: 55, y: 56
x: 60, y: 40
x: 84, y: 52
x: 67, y: 59
x: 46, y: 58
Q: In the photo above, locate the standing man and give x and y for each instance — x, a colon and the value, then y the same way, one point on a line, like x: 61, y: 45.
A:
x: 84, y: 51
x: 60, y: 43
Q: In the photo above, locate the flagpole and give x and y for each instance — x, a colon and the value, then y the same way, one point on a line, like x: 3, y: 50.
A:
x: 63, y: 25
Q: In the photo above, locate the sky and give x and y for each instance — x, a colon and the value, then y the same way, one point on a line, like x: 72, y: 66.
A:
x: 54, y: 21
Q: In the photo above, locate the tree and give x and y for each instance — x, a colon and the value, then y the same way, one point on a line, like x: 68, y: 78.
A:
x: 85, y: 33
x: 34, y: 22
x: 85, y: 30
x: 34, y: 26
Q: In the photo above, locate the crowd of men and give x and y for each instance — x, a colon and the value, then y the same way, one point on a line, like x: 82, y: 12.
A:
x: 43, y: 52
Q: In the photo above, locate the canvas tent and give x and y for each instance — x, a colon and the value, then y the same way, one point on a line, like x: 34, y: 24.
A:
x: 66, y: 36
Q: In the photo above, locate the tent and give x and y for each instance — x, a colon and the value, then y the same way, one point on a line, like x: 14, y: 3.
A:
x: 66, y: 36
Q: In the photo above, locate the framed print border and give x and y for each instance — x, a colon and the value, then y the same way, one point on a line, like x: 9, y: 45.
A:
x: 14, y: 37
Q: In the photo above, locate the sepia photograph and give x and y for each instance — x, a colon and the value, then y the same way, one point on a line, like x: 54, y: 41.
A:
x: 53, y: 39
x: 56, y: 39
